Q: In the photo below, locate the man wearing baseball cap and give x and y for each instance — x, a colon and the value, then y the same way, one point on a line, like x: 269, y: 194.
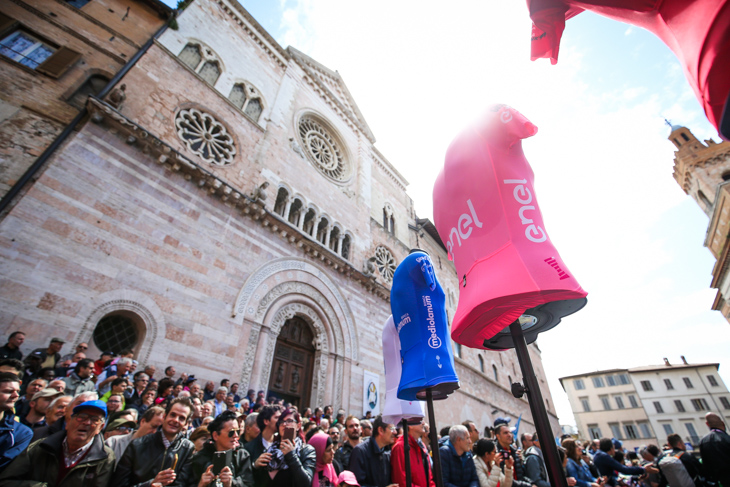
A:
x: 14, y: 436
x: 40, y: 401
x: 75, y: 456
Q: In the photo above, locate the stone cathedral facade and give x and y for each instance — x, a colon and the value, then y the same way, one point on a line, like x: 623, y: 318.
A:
x: 233, y: 217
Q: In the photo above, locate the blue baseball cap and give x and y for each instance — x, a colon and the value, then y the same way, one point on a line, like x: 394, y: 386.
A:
x: 97, y: 404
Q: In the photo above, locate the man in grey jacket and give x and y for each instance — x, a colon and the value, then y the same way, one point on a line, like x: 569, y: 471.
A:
x: 80, y: 379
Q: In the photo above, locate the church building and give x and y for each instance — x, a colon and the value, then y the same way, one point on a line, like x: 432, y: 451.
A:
x: 231, y: 215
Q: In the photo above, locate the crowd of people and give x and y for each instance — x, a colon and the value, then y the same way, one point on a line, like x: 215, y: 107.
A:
x: 71, y: 420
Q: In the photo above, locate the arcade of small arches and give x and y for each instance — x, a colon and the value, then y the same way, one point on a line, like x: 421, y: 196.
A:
x: 310, y: 221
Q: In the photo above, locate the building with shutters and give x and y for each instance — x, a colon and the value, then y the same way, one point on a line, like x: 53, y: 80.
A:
x: 644, y: 405
x: 233, y: 218
x: 53, y: 54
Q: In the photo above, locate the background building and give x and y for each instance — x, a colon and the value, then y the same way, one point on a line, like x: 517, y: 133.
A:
x: 54, y: 55
x: 644, y: 405
x: 703, y: 172
x: 232, y: 217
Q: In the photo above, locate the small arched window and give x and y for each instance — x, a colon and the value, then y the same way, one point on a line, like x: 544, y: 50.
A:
x: 191, y: 56
x: 119, y: 331
x: 494, y: 371
x: 210, y: 71
x: 281, y: 199
x: 726, y: 175
x: 684, y: 136
x: 481, y: 363
x: 202, y: 60
x: 345, y: 250
x: 248, y: 99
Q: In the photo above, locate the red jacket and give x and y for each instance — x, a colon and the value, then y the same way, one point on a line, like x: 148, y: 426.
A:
x: 418, y: 471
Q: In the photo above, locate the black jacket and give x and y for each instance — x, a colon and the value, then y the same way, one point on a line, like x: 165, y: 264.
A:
x: 240, y: 466
x: 145, y: 457
x: 39, y: 464
x: 255, y: 448
x: 49, y: 429
x: 370, y: 464
x: 520, y: 478
x: 342, y: 455
x: 715, y: 452
x: 301, y: 469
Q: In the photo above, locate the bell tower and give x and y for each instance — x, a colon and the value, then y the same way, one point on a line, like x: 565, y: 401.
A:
x: 703, y: 172
x: 699, y: 168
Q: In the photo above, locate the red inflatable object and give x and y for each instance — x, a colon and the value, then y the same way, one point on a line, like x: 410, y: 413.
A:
x: 486, y: 213
x: 698, y: 31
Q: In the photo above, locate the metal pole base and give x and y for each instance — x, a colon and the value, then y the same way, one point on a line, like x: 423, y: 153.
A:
x: 537, y: 406
x: 434, y: 441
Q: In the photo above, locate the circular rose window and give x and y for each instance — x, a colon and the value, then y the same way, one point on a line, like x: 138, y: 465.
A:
x: 323, y: 149
x: 205, y: 136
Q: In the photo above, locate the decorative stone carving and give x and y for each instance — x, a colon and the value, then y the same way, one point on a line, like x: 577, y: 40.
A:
x: 368, y: 267
x: 255, y: 284
x: 253, y: 341
x: 323, y: 149
x: 296, y: 147
x: 259, y: 194
x: 385, y: 262
x: 205, y: 136
x: 117, y: 96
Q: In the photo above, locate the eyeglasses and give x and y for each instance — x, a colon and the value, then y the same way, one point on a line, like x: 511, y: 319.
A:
x: 334, y: 433
x: 88, y: 418
x: 233, y: 432
x: 290, y: 421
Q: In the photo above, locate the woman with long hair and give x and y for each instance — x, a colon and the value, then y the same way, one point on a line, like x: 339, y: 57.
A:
x: 292, y: 461
x: 324, y: 472
x: 488, y: 472
x: 576, y: 467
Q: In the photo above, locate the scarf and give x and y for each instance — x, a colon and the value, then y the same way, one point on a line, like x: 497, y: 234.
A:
x: 277, y: 458
x: 320, y: 442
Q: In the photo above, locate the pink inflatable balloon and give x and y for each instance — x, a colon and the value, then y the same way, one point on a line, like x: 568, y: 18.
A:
x: 486, y: 212
x: 395, y: 410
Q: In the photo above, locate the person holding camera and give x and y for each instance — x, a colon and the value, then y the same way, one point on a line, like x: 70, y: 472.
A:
x: 222, y: 457
x: 289, y: 461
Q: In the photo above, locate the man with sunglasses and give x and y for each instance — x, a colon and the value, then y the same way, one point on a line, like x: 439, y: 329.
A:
x: 74, y: 456
x: 225, y: 435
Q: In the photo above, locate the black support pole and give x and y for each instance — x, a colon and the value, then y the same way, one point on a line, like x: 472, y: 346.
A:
x: 434, y: 441
x: 406, y: 452
x: 537, y: 406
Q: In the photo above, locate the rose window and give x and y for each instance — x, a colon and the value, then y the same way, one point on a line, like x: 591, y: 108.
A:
x: 385, y: 262
x: 205, y: 136
x: 323, y: 149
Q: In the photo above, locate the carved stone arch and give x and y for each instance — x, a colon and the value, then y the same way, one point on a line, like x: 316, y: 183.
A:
x: 123, y: 300
x: 287, y: 281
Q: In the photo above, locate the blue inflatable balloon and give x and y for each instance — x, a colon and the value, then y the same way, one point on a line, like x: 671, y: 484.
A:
x: 417, y: 302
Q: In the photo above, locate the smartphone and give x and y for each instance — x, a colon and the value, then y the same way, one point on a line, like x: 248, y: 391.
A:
x: 289, y: 434
x: 221, y: 459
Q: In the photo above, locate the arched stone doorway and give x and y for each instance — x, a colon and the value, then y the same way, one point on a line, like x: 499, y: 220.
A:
x: 293, y: 363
